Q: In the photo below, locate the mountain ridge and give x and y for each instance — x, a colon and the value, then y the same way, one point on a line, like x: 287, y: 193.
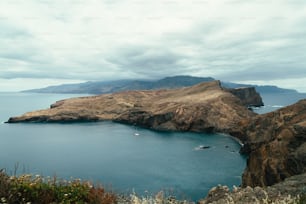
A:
x: 102, y: 87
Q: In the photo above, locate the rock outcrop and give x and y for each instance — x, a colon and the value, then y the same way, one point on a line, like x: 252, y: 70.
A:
x: 248, y: 96
x: 276, y: 145
x: 292, y: 190
x: 203, y: 107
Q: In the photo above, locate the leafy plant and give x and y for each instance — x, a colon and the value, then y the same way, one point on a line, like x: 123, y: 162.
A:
x: 27, y: 189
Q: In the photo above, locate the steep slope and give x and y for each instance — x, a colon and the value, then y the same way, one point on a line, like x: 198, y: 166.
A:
x: 203, y: 107
x: 248, y: 96
x: 276, y: 144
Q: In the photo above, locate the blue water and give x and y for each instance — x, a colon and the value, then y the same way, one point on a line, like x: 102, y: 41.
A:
x: 276, y: 101
x: 114, y: 155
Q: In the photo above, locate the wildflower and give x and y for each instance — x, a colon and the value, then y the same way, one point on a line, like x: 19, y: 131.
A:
x: 88, y: 184
x: 3, y: 200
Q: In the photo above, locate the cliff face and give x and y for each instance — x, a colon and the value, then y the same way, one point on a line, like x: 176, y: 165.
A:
x: 248, y: 96
x: 203, y: 107
x: 276, y: 145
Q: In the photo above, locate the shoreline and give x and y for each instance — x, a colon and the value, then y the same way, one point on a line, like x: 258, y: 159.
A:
x: 233, y: 137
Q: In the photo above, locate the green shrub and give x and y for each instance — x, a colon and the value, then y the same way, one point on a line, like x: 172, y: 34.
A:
x: 302, y: 199
x: 37, y: 189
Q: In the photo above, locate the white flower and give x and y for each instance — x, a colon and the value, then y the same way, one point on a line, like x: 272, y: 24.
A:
x: 3, y: 200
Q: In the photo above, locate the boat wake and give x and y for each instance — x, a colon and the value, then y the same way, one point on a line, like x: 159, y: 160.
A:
x: 202, y: 147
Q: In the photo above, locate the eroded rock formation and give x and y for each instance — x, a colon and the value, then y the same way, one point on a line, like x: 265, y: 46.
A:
x: 248, y: 96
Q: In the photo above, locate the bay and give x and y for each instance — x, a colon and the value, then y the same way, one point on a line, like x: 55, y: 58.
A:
x: 121, y: 157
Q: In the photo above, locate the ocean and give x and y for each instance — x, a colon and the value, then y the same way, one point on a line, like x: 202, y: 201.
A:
x: 123, y: 158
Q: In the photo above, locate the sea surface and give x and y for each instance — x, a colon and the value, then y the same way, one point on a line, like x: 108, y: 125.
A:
x: 278, y: 100
x: 121, y: 157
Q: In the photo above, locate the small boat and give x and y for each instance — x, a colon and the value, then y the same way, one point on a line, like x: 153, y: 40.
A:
x: 201, y: 147
x: 204, y: 146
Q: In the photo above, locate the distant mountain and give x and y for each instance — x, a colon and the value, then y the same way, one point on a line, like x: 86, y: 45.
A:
x: 101, y: 87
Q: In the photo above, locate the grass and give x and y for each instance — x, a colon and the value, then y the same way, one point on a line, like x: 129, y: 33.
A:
x: 26, y: 189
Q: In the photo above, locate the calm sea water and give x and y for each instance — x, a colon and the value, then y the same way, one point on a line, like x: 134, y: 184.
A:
x: 112, y: 154
x: 275, y: 101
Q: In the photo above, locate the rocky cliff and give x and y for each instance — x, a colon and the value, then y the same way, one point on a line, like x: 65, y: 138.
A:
x: 276, y: 145
x: 248, y: 96
x: 203, y: 107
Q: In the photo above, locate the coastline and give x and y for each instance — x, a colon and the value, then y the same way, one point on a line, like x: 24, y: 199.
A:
x: 233, y: 137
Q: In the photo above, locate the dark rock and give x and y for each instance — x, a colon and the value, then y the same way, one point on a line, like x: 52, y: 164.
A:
x: 248, y: 96
x: 276, y: 145
x: 288, y: 191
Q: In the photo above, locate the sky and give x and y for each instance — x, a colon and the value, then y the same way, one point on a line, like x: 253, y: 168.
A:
x: 49, y: 42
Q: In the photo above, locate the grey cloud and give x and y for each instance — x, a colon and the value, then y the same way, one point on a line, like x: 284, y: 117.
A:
x: 235, y: 57
x: 148, y: 61
x: 18, y: 44
x: 8, y: 31
x: 247, y: 56
x: 242, y: 47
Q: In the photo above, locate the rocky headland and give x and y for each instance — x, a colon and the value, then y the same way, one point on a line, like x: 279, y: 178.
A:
x: 274, y: 142
x: 204, y: 107
x: 276, y: 145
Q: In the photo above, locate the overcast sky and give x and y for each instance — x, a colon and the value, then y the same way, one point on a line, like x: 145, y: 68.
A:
x: 45, y: 42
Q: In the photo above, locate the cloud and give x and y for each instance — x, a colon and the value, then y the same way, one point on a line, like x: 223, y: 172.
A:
x: 102, y: 40
x: 149, y: 61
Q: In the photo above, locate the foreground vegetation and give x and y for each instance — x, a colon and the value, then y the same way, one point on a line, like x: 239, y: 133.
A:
x: 29, y: 189
x: 37, y: 189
